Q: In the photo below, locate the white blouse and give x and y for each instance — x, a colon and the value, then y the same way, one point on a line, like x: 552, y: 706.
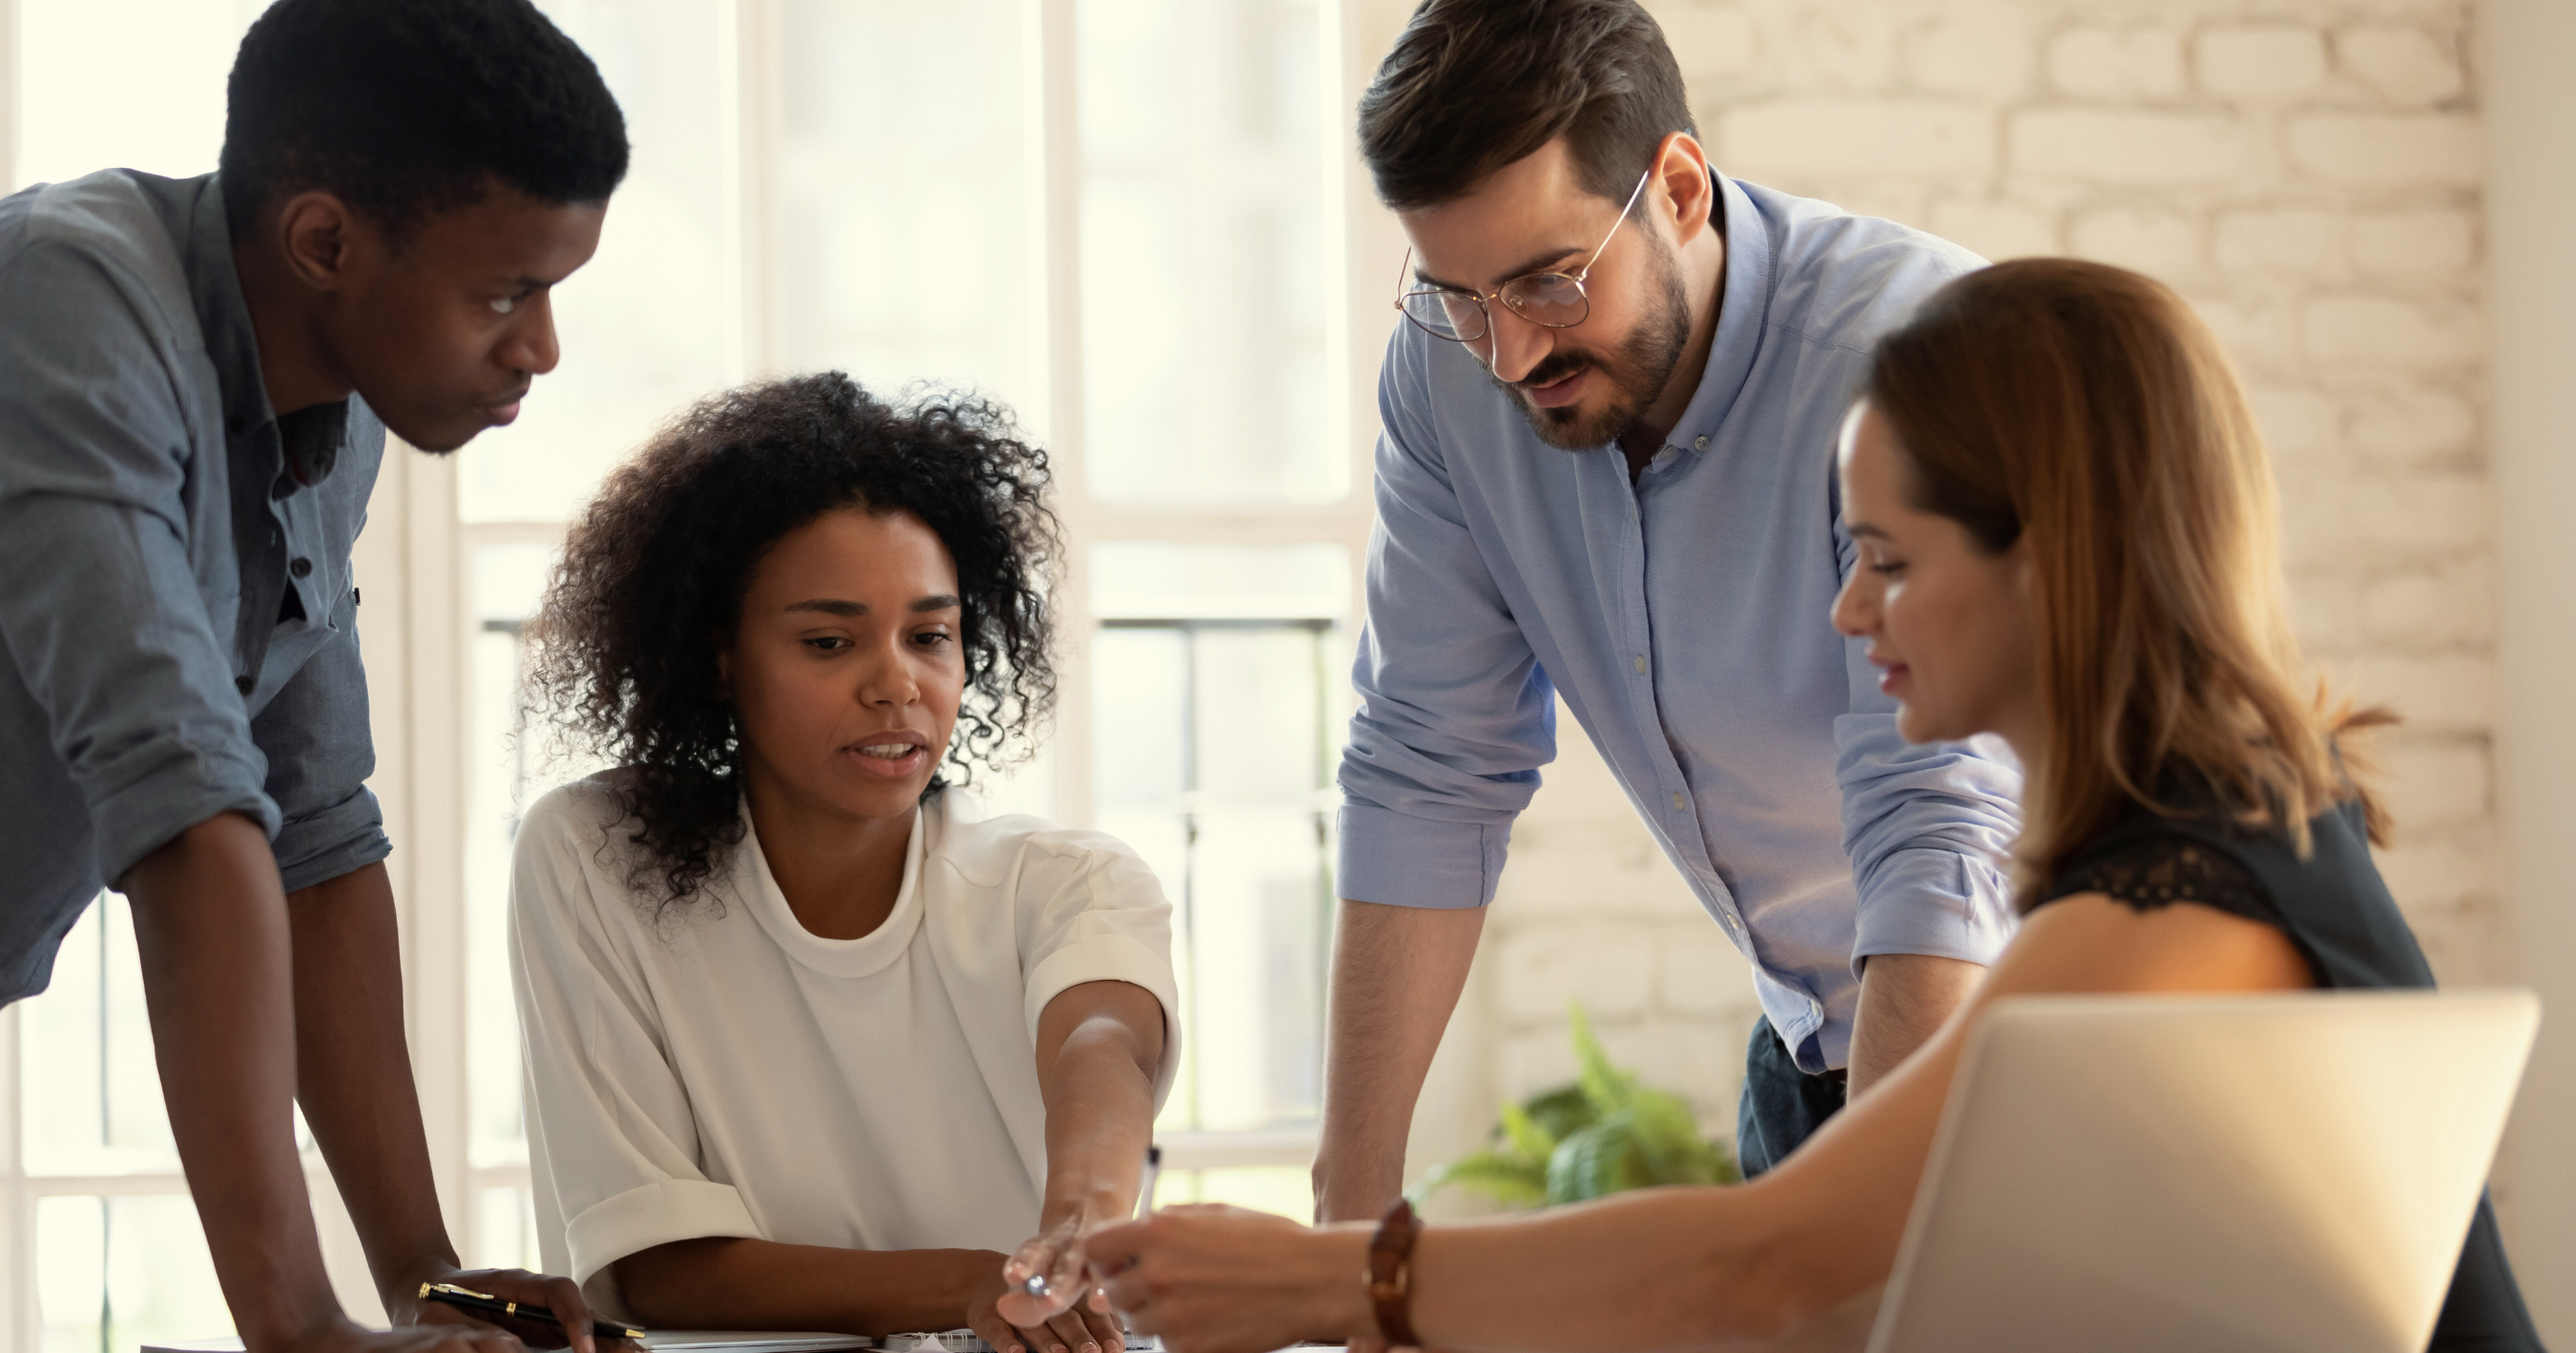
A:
x: 725, y: 1072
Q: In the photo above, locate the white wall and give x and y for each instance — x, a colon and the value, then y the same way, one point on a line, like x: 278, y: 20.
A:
x: 2529, y: 55
x: 2312, y: 175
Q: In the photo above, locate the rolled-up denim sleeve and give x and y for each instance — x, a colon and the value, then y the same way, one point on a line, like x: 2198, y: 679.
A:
x: 1928, y: 827
x: 320, y: 754
x: 102, y: 614
x: 1454, y: 715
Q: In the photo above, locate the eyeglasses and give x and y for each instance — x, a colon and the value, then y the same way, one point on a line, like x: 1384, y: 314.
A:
x: 1551, y: 300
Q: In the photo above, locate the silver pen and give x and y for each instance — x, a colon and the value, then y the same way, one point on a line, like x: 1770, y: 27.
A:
x: 1153, y: 1172
x: 1037, y: 1285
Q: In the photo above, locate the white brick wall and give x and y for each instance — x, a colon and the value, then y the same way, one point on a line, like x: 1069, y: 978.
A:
x: 2308, y: 173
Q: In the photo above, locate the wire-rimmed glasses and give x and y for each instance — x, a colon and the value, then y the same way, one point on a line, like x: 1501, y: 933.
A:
x: 1552, y: 300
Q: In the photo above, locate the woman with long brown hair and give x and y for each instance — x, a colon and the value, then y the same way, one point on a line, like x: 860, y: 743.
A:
x: 2063, y: 533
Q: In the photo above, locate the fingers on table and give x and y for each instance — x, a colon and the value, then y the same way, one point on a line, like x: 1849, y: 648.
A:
x: 563, y: 1297
x: 994, y: 1330
x: 1067, y: 1333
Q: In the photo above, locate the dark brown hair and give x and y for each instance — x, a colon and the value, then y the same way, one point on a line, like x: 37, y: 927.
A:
x: 650, y: 591
x: 1474, y: 85
x: 2086, y: 410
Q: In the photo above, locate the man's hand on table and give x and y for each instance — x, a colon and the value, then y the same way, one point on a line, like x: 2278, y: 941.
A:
x: 436, y: 1320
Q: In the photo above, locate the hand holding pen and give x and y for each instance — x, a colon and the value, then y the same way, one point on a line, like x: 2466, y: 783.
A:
x: 532, y: 1320
x: 1047, y: 1283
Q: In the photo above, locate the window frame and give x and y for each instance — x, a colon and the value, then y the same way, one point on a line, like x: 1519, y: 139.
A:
x: 418, y: 634
x: 438, y: 546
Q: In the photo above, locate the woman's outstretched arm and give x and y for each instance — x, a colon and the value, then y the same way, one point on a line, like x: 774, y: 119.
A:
x: 1099, y: 1047
x: 1666, y: 1268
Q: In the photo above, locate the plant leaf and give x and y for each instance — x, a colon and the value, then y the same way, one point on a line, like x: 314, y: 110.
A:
x: 1605, y: 1087
x: 1596, y: 1162
x: 1669, y: 1139
x: 1527, y: 1139
x: 1560, y: 1113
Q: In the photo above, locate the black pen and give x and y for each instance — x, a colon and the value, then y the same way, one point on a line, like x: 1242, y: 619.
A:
x: 476, y: 1303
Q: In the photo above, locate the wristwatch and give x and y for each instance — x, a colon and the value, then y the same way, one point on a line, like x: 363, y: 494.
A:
x: 1390, y: 1274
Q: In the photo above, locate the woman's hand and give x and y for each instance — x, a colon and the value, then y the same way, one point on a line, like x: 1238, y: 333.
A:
x: 1057, y: 1256
x: 1014, y: 1320
x: 1213, y: 1279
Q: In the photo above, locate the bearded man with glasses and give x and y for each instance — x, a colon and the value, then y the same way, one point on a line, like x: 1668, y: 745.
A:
x: 1607, y: 474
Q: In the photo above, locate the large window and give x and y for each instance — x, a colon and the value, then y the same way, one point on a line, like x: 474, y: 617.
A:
x: 1127, y: 219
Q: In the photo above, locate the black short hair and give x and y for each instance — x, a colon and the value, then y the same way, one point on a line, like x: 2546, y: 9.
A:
x: 650, y: 588
x: 1474, y: 85
x: 405, y: 108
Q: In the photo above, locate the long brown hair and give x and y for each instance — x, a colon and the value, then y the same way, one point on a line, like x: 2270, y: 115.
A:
x: 2086, y: 408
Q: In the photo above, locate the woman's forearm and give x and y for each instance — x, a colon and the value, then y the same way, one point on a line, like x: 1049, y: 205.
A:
x: 721, y: 1282
x: 1645, y: 1270
x: 1098, y: 1047
x: 1661, y: 1269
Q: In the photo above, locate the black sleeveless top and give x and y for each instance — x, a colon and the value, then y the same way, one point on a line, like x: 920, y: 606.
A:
x: 2338, y: 914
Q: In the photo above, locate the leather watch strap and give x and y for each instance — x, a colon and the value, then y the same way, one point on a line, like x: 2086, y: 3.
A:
x: 1390, y: 1274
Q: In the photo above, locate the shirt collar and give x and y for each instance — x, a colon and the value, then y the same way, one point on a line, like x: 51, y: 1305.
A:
x: 865, y: 956
x: 1743, y: 315
x: 311, y: 438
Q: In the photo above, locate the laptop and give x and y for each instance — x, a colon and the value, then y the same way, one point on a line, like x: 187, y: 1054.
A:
x: 2266, y: 1174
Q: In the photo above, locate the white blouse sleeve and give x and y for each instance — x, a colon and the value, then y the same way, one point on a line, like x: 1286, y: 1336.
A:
x: 610, y: 1129
x: 1099, y: 915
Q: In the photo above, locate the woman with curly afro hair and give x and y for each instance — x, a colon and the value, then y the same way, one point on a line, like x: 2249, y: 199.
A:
x: 813, y: 1043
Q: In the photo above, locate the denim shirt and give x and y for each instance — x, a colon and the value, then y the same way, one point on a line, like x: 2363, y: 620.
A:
x: 179, y: 616
x: 1684, y: 618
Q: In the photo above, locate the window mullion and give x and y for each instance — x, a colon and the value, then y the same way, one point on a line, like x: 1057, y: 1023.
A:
x: 751, y: 69
x: 1054, y: 149
x: 432, y: 593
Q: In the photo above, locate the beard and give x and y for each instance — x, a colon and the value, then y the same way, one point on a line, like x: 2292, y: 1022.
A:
x: 1636, y: 373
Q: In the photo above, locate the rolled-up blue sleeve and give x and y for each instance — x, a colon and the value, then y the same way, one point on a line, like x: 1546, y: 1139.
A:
x: 103, y: 615
x: 1454, y: 715
x: 1928, y: 826
x: 320, y: 755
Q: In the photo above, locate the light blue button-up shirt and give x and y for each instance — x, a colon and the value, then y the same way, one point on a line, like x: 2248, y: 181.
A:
x: 1684, y: 618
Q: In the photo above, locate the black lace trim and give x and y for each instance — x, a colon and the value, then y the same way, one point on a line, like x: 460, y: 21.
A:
x: 2159, y: 871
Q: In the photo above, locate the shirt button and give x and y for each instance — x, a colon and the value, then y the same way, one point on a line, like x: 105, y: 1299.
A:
x: 1677, y: 800
x: 1730, y: 921
x: 301, y: 568
x: 1699, y: 443
x: 243, y: 684
x: 1641, y: 664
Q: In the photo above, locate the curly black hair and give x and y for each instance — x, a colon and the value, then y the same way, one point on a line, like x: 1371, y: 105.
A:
x: 407, y: 108
x: 649, y: 591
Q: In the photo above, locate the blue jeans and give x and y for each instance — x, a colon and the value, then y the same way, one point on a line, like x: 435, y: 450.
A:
x: 1782, y: 1106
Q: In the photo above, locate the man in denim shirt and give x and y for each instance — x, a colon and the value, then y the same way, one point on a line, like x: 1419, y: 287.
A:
x: 1606, y: 473
x: 196, y: 380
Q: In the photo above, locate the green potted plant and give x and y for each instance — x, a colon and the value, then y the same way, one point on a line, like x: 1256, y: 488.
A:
x: 1600, y: 1135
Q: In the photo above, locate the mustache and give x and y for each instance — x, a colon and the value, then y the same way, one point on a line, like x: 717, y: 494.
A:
x: 1556, y: 367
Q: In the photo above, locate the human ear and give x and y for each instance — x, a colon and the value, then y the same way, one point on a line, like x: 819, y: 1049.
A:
x: 1681, y: 167
x: 315, y: 230
x: 2025, y: 570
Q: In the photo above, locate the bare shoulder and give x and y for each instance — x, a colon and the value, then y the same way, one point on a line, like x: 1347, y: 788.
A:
x: 2093, y: 942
